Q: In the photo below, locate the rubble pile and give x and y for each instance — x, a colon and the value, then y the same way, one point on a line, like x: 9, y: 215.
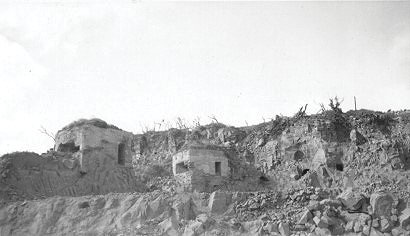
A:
x: 327, y: 174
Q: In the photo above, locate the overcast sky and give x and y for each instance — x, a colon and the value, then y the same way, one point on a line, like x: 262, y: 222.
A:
x: 134, y: 63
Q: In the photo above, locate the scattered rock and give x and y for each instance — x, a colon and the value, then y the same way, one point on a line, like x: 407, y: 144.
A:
x: 284, y: 229
x: 349, y: 226
x: 381, y: 203
x: 405, y: 218
x: 271, y: 227
x: 319, y: 222
x: 385, y: 225
x: 218, y: 201
x: 306, y: 216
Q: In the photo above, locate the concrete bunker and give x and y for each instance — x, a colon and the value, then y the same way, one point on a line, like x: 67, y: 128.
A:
x: 206, y: 159
x: 95, y: 143
x: 200, y: 167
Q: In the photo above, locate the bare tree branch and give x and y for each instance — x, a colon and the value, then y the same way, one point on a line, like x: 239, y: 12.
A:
x: 49, y: 134
x: 214, y: 120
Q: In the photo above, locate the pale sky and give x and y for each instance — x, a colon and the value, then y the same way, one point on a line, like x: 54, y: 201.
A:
x: 135, y: 62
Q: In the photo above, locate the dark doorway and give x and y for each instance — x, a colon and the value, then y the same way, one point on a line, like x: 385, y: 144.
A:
x: 218, y: 168
x: 68, y: 147
x: 121, y: 154
x: 339, y: 167
x: 181, y: 168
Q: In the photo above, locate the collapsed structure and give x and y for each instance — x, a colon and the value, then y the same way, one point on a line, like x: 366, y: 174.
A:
x: 90, y: 144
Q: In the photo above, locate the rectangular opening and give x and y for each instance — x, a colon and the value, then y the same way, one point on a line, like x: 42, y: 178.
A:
x: 68, y: 147
x: 218, y: 168
x: 121, y: 154
x: 181, y: 168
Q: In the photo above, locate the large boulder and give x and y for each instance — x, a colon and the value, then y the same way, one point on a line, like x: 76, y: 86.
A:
x: 381, y: 203
x: 353, y: 200
x: 405, y: 218
x: 219, y: 201
x: 356, y: 137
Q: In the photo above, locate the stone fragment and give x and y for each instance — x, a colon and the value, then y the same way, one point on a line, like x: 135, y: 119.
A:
x: 349, y: 226
x: 385, y: 225
x: 394, y: 218
x: 338, y: 229
x: 376, y: 223
x: 319, y: 222
x: 322, y: 232
x: 218, y: 202
x: 196, y: 228
x: 331, y: 202
x: 375, y: 232
x: 261, y: 142
x: 300, y: 228
x: 381, y: 203
x: 284, y: 229
x: 306, y: 216
x: 405, y: 218
x: 352, y: 200
x: 365, y: 230
x: 356, y: 137
x: 328, y: 220
x: 271, y: 227
x: 357, y: 228
x: 398, y: 231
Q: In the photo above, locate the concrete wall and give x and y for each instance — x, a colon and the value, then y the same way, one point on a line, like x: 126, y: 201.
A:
x: 199, y: 181
x: 202, y: 159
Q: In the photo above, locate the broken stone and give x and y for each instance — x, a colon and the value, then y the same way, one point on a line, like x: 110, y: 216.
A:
x: 306, y: 216
x: 381, y: 203
x: 357, y: 227
x: 398, y: 231
x: 271, y: 227
x: 261, y: 142
x: 375, y: 232
x: 385, y: 225
x: 319, y: 222
x: 329, y: 220
x: 375, y: 223
x: 322, y: 232
x: 218, y: 202
x: 284, y: 229
x: 394, y: 218
x: 338, y: 229
x: 349, y: 226
x: 352, y: 200
x: 405, y: 218
x: 356, y: 137
x: 365, y: 230
x: 193, y: 229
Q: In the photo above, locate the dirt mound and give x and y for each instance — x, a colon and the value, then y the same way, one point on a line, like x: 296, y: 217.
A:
x: 94, y: 122
x: 30, y: 176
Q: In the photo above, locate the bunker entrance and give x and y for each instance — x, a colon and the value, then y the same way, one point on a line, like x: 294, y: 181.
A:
x: 121, y: 154
x: 218, y: 168
x: 181, y: 168
x: 68, y: 147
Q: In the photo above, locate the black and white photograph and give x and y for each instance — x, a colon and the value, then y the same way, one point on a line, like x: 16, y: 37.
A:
x: 204, y: 118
